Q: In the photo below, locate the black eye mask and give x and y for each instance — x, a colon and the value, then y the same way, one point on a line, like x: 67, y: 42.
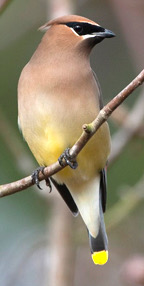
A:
x: 83, y: 28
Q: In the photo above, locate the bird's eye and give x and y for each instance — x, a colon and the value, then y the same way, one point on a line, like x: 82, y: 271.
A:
x: 78, y: 29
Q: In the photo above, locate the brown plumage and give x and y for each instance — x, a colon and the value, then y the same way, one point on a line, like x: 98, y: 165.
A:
x: 57, y: 94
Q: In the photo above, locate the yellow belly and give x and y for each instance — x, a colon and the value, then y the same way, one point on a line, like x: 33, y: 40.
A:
x: 50, y: 140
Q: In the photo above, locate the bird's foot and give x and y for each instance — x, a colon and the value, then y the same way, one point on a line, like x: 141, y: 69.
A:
x: 69, y: 160
x: 35, y: 178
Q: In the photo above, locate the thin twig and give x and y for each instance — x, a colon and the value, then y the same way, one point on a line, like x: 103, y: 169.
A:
x: 88, y: 131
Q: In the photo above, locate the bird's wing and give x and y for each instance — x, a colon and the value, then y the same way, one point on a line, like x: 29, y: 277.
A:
x: 103, y: 188
x: 103, y: 175
x: 100, y: 92
x: 65, y: 194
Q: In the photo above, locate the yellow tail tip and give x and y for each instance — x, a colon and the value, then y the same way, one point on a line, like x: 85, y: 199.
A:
x: 100, y: 257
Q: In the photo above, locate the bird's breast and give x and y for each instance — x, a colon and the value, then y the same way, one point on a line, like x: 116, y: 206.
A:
x: 51, y: 114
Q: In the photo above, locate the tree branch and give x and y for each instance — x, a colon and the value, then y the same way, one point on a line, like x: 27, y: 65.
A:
x: 88, y: 131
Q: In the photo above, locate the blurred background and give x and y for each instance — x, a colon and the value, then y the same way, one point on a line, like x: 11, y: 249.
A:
x: 40, y: 242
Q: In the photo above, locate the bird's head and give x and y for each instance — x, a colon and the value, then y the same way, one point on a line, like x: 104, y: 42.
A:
x: 75, y: 31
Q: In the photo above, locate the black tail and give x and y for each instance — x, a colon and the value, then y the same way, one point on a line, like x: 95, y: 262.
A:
x: 99, y: 244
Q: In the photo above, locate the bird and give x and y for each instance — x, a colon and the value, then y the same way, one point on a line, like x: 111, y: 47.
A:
x: 57, y: 93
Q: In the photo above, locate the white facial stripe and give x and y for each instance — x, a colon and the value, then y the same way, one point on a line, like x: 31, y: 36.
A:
x: 88, y: 36
x: 74, y: 32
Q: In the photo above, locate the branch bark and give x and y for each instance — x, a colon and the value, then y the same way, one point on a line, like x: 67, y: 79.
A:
x: 88, y: 131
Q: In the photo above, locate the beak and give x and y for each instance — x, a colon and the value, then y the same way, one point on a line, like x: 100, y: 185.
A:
x: 106, y: 34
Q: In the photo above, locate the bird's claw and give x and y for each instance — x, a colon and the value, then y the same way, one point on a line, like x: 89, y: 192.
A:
x: 35, y: 178
x: 48, y: 184
x: 69, y: 160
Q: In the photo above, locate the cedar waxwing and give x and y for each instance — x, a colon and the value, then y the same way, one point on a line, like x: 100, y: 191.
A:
x: 57, y: 93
